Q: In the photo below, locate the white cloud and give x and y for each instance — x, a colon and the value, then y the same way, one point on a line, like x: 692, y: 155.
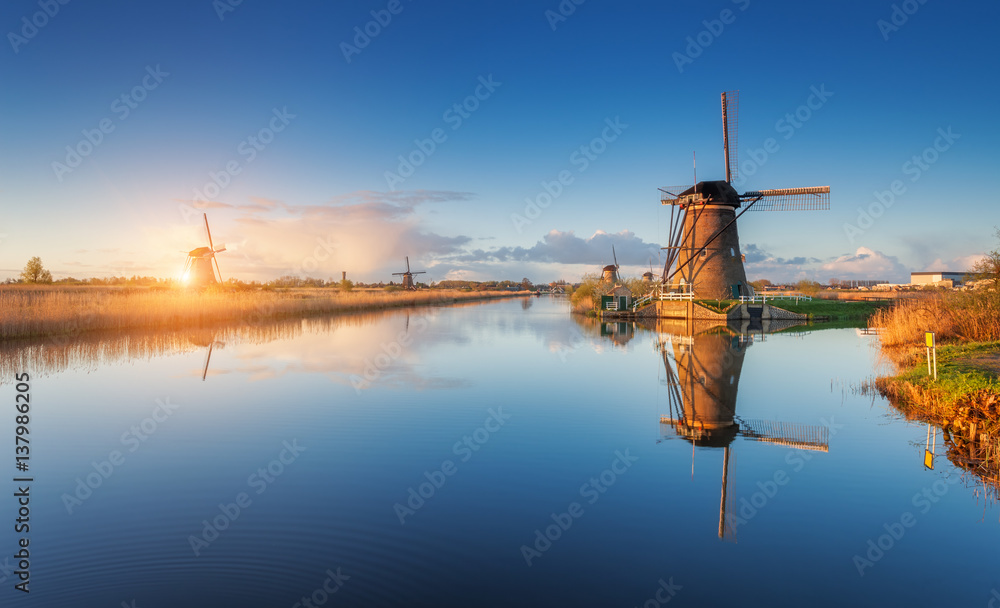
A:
x: 866, y: 263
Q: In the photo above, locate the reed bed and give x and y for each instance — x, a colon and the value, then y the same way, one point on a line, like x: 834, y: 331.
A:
x: 36, y: 311
x: 971, y: 316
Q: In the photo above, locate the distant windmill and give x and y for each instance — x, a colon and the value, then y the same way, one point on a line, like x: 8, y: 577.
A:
x: 408, y: 275
x: 610, y: 272
x: 704, y: 247
x: 198, y: 269
x: 647, y: 277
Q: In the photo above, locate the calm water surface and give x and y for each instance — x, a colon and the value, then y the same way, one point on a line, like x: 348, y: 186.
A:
x: 501, y: 454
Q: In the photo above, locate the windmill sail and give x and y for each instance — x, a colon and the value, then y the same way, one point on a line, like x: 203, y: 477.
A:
x: 790, y: 199
x: 730, y: 129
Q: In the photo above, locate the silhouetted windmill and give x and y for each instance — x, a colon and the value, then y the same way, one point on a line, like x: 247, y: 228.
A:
x: 702, y: 401
x: 408, y: 275
x: 703, y: 244
x: 198, y: 269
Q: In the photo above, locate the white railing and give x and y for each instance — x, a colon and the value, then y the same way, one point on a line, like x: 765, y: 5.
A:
x: 660, y: 294
x: 764, y: 298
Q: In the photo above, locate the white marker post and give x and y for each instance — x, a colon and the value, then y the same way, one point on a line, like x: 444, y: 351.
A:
x: 931, y: 347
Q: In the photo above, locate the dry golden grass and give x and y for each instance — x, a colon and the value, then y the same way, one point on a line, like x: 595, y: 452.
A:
x: 31, y: 311
x: 969, y: 316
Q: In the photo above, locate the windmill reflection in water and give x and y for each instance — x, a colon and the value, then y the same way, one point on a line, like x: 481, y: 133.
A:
x: 702, y: 376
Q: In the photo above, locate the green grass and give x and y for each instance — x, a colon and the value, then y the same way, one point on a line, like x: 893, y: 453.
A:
x: 832, y: 310
x: 957, y: 376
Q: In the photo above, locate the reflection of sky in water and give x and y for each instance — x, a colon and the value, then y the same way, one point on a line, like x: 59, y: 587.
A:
x: 574, y: 398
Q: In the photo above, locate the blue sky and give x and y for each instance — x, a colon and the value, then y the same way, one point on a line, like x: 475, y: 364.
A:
x: 285, y: 126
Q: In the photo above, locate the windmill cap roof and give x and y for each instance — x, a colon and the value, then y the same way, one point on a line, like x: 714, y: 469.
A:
x: 200, y: 252
x: 610, y: 267
x: 720, y: 191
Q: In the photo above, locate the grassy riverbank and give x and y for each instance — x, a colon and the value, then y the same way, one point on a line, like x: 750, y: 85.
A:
x: 816, y: 310
x: 967, y: 331
x: 39, y: 311
x: 831, y: 310
x: 965, y: 398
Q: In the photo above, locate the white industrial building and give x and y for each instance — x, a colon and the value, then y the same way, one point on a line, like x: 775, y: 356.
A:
x: 936, y: 278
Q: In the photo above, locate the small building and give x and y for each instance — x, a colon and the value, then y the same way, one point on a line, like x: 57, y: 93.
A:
x: 937, y: 278
x: 619, y: 298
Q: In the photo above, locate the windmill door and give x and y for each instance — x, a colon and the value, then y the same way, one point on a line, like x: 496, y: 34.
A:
x: 736, y: 291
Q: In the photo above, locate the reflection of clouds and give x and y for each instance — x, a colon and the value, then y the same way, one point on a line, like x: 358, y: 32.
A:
x: 400, y: 344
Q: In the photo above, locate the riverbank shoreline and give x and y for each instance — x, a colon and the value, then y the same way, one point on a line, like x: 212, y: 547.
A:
x: 42, y: 312
x: 967, y: 387
x: 964, y: 399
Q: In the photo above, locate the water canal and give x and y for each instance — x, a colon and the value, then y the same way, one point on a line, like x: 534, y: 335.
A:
x: 497, y: 454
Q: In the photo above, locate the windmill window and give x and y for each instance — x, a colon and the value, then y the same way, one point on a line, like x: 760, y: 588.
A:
x: 704, y: 253
x: 731, y: 379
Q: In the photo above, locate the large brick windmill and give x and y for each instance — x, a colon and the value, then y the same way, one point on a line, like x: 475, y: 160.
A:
x: 703, y: 252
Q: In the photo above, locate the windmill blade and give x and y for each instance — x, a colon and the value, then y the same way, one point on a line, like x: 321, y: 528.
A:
x: 790, y: 199
x: 208, y: 232
x: 216, y: 260
x: 730, y: 131
x: 208, y: 357
x: 798, y: 436
x: 615, y: 257
x: 407, y: 263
